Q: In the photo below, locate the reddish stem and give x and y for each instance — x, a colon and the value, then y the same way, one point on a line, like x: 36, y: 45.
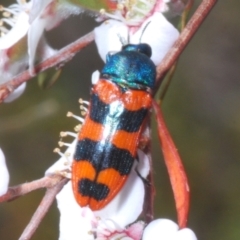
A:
x: 63, y: 55
x: 22, y: 189
x: 42, y: 210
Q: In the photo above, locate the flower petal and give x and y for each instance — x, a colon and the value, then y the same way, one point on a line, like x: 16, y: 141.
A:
x: 17, y: 93
x: 135, y: 230
x: 108, y: 37
x: 186, y: 234
x: 74, y: 223
x: 4, y: 175
x: 160, y: 34
x: 18, y: 31
x: 155, y: 31
x: 166, y: 229
x: 34, y: 35
x: 47, y: 15
x: 163, y: 228
x: 95, y: 77
x: 143, y: 167
x: 37, y: 8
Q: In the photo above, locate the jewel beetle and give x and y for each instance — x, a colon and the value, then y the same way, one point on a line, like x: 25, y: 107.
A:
x: 107, y: 142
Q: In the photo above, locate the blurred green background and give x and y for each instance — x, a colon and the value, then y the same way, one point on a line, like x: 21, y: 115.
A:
x: 201, y: 109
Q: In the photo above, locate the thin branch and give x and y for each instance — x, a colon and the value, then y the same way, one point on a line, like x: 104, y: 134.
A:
x: 22, y: 189
x: 165, y: 84
x: 184, y: 38
x: 42, y: 210
x: 64, y: 55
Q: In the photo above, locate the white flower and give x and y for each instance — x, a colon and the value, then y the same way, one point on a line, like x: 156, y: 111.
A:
x: 22, y: 43
x: 17, y: 93
x: 164, y: 229
x: 75, y: 222
x: 13, y: 50
x: 156, y: 31
x: 4, y: 175
x: 45, y: 15
x: 31, y: 19
x: 15, y: 17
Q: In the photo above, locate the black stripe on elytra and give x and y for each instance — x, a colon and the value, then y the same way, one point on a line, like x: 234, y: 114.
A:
x: 103, y: 156
x: 126, y: 120
x: 99, y: 109
x: 131, y: 121
x: 92, y: 189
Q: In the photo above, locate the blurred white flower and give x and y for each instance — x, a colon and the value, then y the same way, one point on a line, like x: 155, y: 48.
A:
x: 13, y: 51
x: 75, y: 222
x: 4, y: 175
x: 156, y: 31
x: 165, y: 229
x: 134, y: 13
x: 17, y: 93
x: 22, y: 43
x: 14, y: 24
x: 45, y: 15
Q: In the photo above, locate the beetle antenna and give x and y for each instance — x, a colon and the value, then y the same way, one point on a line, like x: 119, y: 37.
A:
x: 144, y: 29
x: 122, y: 40
x: 128, y: 38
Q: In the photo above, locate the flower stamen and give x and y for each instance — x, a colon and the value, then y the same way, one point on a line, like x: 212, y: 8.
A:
x: 80, y: 119
x: 78, y: 128
x: 67, y: 170
x: 61, y: 144
x: 134, y: 12
x: 65, y: 134
x: 9, y: 17
x: 81, y: 101
x: 58, y: 151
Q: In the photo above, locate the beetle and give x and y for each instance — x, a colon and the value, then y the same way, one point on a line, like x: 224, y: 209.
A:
x: 107, y: 142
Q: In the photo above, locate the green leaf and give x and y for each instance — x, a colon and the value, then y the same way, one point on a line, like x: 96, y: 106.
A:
x: 48, y: 78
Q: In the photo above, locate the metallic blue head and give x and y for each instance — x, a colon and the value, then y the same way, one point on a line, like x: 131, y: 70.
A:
x: 131, y: 67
